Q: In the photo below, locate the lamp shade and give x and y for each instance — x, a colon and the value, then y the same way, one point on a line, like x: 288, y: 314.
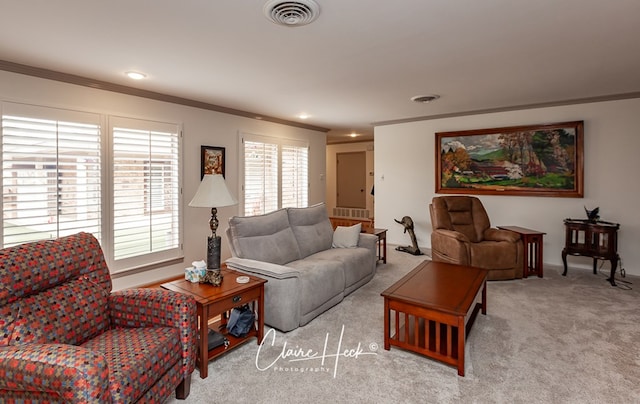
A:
x: 212, y: 193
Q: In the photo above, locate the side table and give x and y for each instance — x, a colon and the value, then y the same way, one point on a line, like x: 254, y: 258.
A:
x: 598, y: 240
x: 532, y: 243
x: 382, y: 242
x: 215, y: 302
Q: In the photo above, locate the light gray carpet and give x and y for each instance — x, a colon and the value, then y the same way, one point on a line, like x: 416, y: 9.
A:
x: 571, y: 339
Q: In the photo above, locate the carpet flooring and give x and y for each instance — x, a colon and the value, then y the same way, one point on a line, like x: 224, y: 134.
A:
x: 573, y: 339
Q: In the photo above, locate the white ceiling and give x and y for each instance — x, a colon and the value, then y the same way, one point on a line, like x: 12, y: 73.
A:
x: 359, y: 63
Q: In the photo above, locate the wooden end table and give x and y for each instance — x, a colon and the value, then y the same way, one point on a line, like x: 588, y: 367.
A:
x: 532, y: 246
x: 382, y: 242
x: 598, y: 240
x: 214, y: 302
x: 430, y: 310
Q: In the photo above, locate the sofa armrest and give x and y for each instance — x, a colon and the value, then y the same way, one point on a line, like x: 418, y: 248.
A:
x: 367, y: 240
x: 261, y: 268
x: 134, y: 308
x: 75, y: 374
x: 493, y: 234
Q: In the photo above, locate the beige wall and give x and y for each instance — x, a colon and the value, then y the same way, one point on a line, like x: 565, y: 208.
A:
x: 200, y: 127
x: 405, y: 184
x: 332, y: 151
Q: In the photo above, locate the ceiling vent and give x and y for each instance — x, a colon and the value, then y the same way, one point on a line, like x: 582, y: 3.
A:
x: 424, y: 99
x: 292, y: 13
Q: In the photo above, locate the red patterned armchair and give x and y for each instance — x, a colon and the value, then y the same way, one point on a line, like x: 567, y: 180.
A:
x: 64, y: 337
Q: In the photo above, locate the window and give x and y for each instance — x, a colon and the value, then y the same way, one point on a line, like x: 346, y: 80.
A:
x: 146, y: 190
x: 275, y: 174
x: 51, y: 177
x: 53, y: 182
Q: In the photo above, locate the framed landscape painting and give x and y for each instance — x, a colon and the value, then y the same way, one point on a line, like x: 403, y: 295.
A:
x: 211, y: 160
x: 534, y: 160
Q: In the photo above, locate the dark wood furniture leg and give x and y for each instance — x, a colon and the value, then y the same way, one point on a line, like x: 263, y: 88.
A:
x: 203, y: 348
x: 184, y: 388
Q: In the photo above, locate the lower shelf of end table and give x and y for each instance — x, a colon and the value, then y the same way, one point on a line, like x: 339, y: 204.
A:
x: 214, y: 304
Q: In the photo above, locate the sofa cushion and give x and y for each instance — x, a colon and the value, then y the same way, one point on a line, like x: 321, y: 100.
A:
x: 320, y: 281
x: 137, y: 358
x: 70, y: 313
x: 346, y: 237
x: 355, y: 262
x: 312, y: 228
x: 266, y: 238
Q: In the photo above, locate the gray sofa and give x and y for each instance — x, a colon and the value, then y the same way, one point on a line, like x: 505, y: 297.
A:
x: 292, y: 249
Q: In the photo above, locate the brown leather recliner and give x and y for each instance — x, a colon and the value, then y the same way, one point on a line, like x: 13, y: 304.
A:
x: 462, y: 234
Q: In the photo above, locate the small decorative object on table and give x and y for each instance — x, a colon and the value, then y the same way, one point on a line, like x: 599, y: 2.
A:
x: 213, y: 276
x: 593, y: 215
x: 196, y: 272
x: 407, y: 222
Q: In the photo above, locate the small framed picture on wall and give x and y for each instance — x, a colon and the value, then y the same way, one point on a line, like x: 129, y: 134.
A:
x: 211, y: 160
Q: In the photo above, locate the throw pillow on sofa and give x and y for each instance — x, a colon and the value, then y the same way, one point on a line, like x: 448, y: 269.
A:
x: 346, y: 237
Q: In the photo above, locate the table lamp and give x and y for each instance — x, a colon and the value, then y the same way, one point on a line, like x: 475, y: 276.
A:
x: 213, y: 193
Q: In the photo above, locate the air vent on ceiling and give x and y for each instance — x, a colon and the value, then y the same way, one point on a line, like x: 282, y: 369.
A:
x: 425, y: 98
x: 292, y: 13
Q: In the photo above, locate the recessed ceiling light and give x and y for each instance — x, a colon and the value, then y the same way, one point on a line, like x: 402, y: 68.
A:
x: 136, y: 75
x: 303, y: 116
x: 424, y: 99
x: 353, y: 134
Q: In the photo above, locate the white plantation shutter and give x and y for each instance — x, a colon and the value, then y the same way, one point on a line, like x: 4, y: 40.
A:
x: 295, y: 177
x: 260, y: 177
x: 275, y: 174
x: 146, y: 191
x: 51, y: 173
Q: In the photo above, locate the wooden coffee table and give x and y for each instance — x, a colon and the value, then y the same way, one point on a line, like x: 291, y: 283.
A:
x: 431, y: 310
x: 213, y: 302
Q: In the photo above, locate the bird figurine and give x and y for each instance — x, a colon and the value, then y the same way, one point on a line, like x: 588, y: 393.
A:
x: 593, y: 215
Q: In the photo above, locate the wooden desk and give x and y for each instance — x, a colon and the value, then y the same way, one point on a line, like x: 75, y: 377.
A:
x: 215, y: 302
x: 532, y: 243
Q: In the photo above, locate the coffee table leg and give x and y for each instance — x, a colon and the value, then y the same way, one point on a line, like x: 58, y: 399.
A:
x: 461, y: 340
x: 387, y: 346
x: 484, y: 298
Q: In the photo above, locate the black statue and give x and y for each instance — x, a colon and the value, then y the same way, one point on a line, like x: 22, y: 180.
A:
x: 407, y: 222
x: 592, y: 215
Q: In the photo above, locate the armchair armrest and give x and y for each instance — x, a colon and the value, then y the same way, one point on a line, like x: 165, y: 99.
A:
x: 262, y: 268
x: 75, y: 374
x: 450, y: 246
x: 493, y: 234
x: 452, y: 234
x: 135, y: 308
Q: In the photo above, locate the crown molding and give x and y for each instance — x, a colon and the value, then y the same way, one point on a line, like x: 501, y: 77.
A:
x: 589, y: 100
x: 122, y: 89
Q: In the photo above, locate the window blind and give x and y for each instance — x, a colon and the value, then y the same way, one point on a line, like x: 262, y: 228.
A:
x: 260, y: 177
x: 51, y: 173
x: 275, y: 174
x: 295, y: 177
x: 146, y: 189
